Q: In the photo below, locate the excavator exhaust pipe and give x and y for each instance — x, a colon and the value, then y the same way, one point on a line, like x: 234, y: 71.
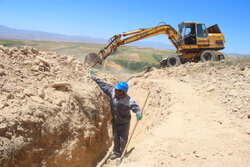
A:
x: 92, y: 59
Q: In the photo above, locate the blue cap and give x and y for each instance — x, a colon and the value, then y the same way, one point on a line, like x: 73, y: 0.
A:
x: 122, y: 86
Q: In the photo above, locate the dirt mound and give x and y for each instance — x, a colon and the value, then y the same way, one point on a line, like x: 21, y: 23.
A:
x: 51, y: 114
x: 229, y: 83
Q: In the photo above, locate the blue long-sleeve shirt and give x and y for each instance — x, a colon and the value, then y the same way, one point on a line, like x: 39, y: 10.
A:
x: 121, y: 107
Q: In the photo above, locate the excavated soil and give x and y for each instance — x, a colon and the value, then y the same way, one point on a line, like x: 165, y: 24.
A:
x: 52, y: 114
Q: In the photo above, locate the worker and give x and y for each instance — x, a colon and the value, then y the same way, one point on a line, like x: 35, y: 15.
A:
x: 191, y: 36
x: 121, y: 104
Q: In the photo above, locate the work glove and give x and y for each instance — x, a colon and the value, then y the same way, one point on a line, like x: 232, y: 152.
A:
x: 139, y: 116
x: 91, y: 73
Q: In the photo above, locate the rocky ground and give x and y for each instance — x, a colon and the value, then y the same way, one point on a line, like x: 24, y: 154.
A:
x: 52, y: 114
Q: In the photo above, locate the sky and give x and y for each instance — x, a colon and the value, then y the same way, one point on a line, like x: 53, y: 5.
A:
x: 105, y: 18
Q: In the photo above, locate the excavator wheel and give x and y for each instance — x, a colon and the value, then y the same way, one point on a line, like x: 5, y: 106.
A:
x: 92, y: 59
x: 209, y: 55
x: 173, y: 61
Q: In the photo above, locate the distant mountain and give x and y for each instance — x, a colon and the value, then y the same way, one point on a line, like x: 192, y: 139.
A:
x: 11, y: 33
x: 237, y: 54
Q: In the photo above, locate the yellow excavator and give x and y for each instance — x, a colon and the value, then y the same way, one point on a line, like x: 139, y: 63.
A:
x: 193, y: 41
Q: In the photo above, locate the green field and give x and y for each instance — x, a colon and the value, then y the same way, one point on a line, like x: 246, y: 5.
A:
x: 66, y: 48
x: 130, y: 57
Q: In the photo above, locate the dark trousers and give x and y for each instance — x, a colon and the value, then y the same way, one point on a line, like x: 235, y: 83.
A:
x: 120, y: 137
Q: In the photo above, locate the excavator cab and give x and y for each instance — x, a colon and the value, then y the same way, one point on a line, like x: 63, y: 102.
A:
x: 192, y: 33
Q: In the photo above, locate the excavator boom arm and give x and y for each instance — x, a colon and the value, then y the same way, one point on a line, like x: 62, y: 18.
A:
x: 136, y: 35
x: 146, y: 33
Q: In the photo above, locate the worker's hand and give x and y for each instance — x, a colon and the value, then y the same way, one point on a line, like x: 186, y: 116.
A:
x: 91, y: 74
x: 139, y: 116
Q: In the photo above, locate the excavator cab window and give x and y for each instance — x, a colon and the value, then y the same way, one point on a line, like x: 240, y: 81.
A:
x: 201, y: 31
x: 190, y: 34
x: 180, y: 34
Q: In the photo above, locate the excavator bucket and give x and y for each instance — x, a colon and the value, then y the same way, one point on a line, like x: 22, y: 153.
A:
x: 92, y: 59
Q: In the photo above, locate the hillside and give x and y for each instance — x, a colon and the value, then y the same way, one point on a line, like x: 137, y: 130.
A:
x: 132, y: 59
x: 12, y: 33
x: 127, y: 56
x: 18, y: 34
